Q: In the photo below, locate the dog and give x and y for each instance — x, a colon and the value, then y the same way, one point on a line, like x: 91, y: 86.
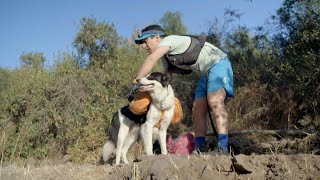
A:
x: 126, y: 127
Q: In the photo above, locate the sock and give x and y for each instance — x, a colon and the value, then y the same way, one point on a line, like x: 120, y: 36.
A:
x: 200, y: 143
x: 223, y: 142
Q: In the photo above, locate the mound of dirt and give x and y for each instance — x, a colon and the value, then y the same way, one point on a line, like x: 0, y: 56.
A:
x: 302, y: 166
x: 221, y: 167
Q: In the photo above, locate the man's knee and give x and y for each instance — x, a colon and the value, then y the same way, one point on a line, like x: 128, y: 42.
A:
x: 216, y: 102
x: 218, y: 109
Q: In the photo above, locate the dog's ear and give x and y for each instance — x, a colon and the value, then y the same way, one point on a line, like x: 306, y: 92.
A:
x: 166, y: 79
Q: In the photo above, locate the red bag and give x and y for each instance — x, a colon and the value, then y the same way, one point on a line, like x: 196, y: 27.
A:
x: 184, y: 144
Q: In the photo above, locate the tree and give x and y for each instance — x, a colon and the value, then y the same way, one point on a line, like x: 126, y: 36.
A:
x: 217, y: 31
x: 299, y: 42
x: 172, y: 24
x: 95, y: 42
x: 250, y: 54
x: 34, y: 60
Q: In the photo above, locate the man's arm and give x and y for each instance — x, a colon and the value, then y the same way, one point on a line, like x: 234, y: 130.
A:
x: 151, y: 60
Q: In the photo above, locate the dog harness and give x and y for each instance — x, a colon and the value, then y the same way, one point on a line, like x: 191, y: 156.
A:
x: 141, y: 118
x: 158, y: 125
x: 178, y: 63
x: 138, y: 119
x: 138, y: 108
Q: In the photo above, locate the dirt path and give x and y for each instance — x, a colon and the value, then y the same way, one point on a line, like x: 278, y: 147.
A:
x: 302, y: 166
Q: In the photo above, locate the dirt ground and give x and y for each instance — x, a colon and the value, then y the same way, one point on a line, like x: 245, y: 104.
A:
x: 271, y: 158
x: 302, y: 166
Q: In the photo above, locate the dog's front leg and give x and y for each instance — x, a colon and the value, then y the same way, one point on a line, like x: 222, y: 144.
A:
x: 146, y: 134
x: 162, y: 137
x: 162, y: 134
x: 162, y: 141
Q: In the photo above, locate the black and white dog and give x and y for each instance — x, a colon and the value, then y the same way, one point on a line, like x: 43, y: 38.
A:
x: 126, y: 127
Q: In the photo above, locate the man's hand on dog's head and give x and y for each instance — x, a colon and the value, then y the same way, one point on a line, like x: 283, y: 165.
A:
x: 135, y: 88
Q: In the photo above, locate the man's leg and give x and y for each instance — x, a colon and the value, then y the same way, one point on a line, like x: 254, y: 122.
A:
x: 200, y: 112
x: 220, y: 114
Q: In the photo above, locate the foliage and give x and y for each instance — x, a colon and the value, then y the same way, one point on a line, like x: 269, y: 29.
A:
x: 31, y: 59
x: 299, y: 45
x: 65, y: 109
x: 250, y: 61
x: 95, y: 42
x: 171, y: 23
x: 259, y: 106
x: 218, y: 32
x: 4, y: 84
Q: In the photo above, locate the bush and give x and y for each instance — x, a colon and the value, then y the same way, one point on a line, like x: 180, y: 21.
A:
x: 63, y: 110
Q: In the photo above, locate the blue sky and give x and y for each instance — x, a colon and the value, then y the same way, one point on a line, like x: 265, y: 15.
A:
x: 49, y: 26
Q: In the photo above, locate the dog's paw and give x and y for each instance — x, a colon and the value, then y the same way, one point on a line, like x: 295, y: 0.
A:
x: 149, y: 152
x: 117, y: 164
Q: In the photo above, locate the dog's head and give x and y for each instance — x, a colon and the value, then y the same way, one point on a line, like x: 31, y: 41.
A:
x: 154, y: 80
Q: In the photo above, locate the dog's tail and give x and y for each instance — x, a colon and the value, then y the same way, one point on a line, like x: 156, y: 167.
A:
x: 107, y: 150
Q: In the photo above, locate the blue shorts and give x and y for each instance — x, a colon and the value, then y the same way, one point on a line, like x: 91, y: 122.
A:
x: 220, y: 75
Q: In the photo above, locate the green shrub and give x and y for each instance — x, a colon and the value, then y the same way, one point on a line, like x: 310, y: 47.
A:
x: 65, y: 109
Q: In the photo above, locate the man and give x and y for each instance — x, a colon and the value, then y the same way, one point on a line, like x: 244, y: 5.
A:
x: 181, y: 54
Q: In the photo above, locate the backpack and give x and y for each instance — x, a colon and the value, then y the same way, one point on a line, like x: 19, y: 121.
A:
x: 184, y: 144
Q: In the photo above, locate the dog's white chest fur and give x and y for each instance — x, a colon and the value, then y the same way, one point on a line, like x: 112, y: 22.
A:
x: 163, y: 99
